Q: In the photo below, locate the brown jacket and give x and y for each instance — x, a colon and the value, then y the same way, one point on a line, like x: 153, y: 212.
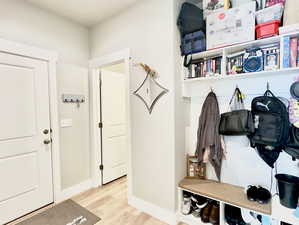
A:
x: 208, y: 133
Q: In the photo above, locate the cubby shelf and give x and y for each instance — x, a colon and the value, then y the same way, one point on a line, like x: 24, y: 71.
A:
x: 226, y: 193
x: 235, y: 196
x: 225, y: 51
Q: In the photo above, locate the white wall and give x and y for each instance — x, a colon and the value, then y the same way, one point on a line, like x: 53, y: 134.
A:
x: 27, y: 24
x: 147, y: 28
x: 181, y: 105
x: 24, y: 23
x: 74, y: 140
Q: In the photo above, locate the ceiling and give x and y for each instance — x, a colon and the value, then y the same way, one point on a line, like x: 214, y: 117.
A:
x: 85, y: 12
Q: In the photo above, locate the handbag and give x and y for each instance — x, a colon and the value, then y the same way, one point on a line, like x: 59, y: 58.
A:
x: 239, y: 121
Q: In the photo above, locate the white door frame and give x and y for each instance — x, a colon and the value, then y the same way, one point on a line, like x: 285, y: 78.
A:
x: 94, y: 68
x: 51, y: 57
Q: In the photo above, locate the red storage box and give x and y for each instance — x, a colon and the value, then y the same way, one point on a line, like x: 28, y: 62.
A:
x: 268, y: 29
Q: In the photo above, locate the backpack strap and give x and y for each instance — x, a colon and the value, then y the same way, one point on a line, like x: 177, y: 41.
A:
x: 186, y: 62
x: 269, y: 93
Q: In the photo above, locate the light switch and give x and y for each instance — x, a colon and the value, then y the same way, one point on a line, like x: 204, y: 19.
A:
x: 66, y: 123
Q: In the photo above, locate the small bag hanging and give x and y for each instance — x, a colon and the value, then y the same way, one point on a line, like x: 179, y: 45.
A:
x: 239, y: 121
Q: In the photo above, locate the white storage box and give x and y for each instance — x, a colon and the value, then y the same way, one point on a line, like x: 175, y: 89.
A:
x: 228, y: 27
x: 269, y: 14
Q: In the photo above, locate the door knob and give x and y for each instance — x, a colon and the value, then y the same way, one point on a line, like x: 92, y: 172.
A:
x: 47, y: 141
x: 46, y: 131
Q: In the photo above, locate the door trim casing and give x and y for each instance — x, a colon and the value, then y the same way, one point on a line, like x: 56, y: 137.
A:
x: 94, y: 68
x: 15, y: 48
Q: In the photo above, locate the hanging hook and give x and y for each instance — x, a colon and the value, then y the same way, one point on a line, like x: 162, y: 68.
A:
x: 268, y: 86
x: 211, y: 88
x: 148, y: 69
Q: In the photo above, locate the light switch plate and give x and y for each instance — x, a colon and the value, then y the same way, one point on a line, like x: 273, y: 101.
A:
x: 66, y: 123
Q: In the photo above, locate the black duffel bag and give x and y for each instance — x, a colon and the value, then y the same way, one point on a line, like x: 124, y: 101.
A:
x: 190, y: 19
x: 192, y: 28
x: 236, y: 123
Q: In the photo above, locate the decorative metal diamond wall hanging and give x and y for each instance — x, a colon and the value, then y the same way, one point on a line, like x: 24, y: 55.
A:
x: 150, y: 91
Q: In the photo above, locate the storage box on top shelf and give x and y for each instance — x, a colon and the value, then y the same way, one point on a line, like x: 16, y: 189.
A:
x: 269, y: 14
x: 268, y: 29
x: 228, y: 27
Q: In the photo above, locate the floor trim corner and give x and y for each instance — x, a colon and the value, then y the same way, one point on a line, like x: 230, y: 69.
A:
x: 153, y: 210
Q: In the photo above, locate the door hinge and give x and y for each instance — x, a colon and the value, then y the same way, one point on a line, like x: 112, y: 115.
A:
x: 101, y: 167
x: 100, y: 125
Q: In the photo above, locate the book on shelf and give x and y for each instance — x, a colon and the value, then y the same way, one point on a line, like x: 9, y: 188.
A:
x: 290, y: 52
x: 286, y: 52
x: 293, y: 51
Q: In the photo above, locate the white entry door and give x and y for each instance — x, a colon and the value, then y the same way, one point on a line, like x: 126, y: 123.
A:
x: 114, y: 136
x: 25, y: 148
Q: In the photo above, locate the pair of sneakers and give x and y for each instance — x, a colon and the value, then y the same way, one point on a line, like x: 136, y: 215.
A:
x: 192, y: 203
x: 258, y: 194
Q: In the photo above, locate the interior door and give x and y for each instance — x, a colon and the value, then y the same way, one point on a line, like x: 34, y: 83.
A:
x: 114, y: 136
x: 25, y: 147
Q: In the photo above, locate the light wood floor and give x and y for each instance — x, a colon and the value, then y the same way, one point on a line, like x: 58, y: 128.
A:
x: 111, y: 205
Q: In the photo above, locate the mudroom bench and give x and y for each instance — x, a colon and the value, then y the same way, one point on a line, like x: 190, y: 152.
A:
x: 231, y: 195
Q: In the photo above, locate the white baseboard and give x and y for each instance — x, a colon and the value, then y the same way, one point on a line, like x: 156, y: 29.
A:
x: 74, y: 190
x: 155, y: 211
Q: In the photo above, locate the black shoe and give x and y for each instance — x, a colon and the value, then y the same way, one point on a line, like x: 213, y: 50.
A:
x: 263, y: 195
x: 233, y: 215
x: 252, y: 193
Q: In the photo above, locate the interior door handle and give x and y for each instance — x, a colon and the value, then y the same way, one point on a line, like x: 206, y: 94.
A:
x: 47, y: 141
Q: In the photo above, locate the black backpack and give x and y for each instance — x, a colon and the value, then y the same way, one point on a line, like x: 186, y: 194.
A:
x: 190, y: 19
x: 271, y: 122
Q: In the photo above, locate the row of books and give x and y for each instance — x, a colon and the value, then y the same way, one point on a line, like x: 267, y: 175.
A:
x: 205, y: 68
x: 264, y: 58
x: 290, y: 52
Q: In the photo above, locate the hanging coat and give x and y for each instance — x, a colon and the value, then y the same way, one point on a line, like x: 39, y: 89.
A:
x: 208, y: 138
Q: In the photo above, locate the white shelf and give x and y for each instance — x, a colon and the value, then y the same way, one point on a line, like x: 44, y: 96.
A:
x: 244, y: 75
x: 208, y: 54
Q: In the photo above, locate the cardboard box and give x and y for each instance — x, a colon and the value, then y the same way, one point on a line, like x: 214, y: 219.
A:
x: 228, y: 27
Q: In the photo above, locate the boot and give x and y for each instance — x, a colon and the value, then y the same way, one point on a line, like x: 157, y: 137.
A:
x: 215, y: 213
x: 205, y: 213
